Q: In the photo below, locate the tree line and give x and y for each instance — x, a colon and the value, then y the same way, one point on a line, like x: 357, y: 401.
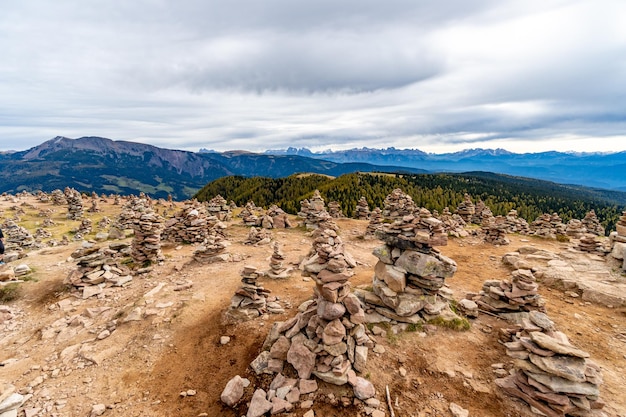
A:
x: 500, y: 193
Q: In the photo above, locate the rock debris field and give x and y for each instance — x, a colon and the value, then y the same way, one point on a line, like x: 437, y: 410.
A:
x: 175, y: 309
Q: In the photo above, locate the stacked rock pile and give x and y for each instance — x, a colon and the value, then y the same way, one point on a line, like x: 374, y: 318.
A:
x: 453, y: 224
x: 219, y: 208
x: 466, y: 209
x: 99, y: 268
x: 334, y: 209
x: 58, y: 198
x: 362, y: 209
x: 375, y: 223
x: 146, y: 243
x: 481, y: 212
x: 103, y: 223
x: 191, y: 224
x: 16, y: 236
x: 327, y: 338
x: 43, y: 197
x: 85, y: 227
x: 116, y: 200
x: 548, y: 225
x: 553, y: 377
x: 516, y: 224
x: 250, y: 214
x: 618, y: 240
x: 249, y: 300
x: 398, y: 204
x: 592, y: 224
x: 590, y: 243
x: 495, y: 229
x: 277, y: 269
x: 280, y: 219
x: 258, y: 237
x: 575, y: 228
x: 74, y: 204
x: 410, y: 272
x: 213, y: 249
x: 518, y: 293
x: 95, y: 207
x: 313, y: 211
x: 48, y: 222
x: 130, y: 211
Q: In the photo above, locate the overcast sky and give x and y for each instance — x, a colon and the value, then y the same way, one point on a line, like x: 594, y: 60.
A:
x: 526, y: 76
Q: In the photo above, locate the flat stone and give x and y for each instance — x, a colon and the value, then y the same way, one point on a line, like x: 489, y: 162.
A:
x: 423, y: 265
x: 259, y: 404
x: 260, y: 364
x: 458, y: 411
x: 558, y: 384
x: 363, y: 389
x: 554, y: 345
x: 301, y: 358
x: 568, y: 367
x: 394, y: 277
x: 307, y: 386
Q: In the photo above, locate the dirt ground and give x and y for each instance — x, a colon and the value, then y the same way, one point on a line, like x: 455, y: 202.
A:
x: 50, y: 347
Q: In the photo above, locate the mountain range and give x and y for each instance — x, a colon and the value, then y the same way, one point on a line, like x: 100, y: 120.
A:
x: 106, y: 166
x: 598, y: 170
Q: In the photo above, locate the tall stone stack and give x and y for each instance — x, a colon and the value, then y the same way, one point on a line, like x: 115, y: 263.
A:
x: 376, y: 222
x: 313, y: 211
x: 277, y: 269
x: 618, y: 240
x: 250, y: 214
x: 410, y: 271
x: 116, y: 200
x: 213, y: 249
x: 58, y: 198
x: 575, y: 229
x: 495, y: 229
x: 551, y: 375
x: 98, y: 268
x: 74, y: 204
x: 219, y: 207
x: 16, y: 236
x: 130, y: 211
x: 518, y: 293
x: 327, y: 338
x: 548, y: 225
x: 453, y: 224
x: 466, y: 209
x: 334, y: 209
x: 249, y: 300
x: 191, y: 224
x: 592, y: 224
x: 85, y: 227
x: 146, y: 243
x: 516, y: 224
x: 362, y: 209
x: 481, y: 212
x: 398, y: 204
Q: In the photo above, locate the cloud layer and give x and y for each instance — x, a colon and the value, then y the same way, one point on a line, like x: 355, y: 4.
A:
x: 524, y: 75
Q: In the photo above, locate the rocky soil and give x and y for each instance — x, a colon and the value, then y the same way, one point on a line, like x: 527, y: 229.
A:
x: 155, y: 346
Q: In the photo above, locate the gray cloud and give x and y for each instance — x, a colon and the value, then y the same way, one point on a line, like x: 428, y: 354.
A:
x: 257, y: 75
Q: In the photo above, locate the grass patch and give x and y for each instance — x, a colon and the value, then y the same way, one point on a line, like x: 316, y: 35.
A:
x: 562, y: 238
x: 10, y: 292
x: 457, y: 323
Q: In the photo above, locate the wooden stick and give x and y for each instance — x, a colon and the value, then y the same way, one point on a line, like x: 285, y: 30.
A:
x: 389, y: 401
x: 491, y: 314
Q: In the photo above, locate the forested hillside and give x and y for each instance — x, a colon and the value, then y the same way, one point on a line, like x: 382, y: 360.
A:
x: 501, y: 193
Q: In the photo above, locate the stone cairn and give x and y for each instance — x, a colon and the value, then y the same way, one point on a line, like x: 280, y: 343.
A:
x: 553, y: 377
x: 250, y: 214
x: 277, y: 269
x: 518, y: 293
x: 258, y: 237
x: 575, y: 229
x: 99, y: 268
x: 397, y: 205
x: 589, y: 243
x: 453, y: 224
x: 219, y: 208
x: 313, y: 211
x: 548, y: 225
x: 249, y: 300
x: 95, y: 208
x: 85, y: 227
x: 410, y: 272
x: 494, y: 229
x: 334, y: 210
x: 280, y: 219
x: 481, y: 212
x: 362, y: 209
x: 16, y: 236
x: 592, y: 224
x: 375, y: 223
x: 190, y: 225
x: 327, y: 338
x: 58, y: 198
x: 213, y: 249
x: 618, y: 240
x: 146, y: 243
x: 74, y: 203
x: 466, y: 209
x: 116, y: 200
x: 103, y: 223
x: 516, y: 224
